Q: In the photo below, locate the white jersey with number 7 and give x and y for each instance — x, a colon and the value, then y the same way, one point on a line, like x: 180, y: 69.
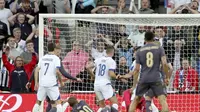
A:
x: 103, y: 65
x: 47, y: 74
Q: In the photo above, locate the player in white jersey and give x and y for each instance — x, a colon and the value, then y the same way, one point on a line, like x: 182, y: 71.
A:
x: 105, y: 67
x: 48, y: 69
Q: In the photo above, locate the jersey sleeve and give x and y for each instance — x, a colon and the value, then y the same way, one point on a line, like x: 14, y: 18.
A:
x: 162, y: 51
x: 138, y: 58
x: 112, y: 65
x: 57, y: 62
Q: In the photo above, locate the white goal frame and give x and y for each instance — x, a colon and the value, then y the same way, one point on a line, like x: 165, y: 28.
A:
x: 166, y: 17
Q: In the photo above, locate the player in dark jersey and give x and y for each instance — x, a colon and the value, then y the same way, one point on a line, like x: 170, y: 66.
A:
x: 149, y: 58
x: 78, y: 105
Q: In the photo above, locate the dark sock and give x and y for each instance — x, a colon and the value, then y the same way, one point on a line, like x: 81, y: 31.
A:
x: 54, y: 109
x: 48, y: 107
x: 106, y: 109
x: 148, y: 106
x: 113, y: 109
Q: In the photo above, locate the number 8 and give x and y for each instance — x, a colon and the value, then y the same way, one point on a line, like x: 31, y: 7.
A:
x: 149, y: 60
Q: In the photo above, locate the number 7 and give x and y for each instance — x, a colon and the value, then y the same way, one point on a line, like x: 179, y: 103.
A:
x: 46, y: 64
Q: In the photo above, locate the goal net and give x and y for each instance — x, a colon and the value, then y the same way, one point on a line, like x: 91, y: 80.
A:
x: 83, y: 38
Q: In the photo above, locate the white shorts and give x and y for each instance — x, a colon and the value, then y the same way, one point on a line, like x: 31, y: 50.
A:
x: 103, y: 92
x: 52, y: 92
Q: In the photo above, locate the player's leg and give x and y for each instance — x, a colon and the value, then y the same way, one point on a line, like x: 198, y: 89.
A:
x: 149, y: 105
x: 54, y: 95
x: 109, y: 93
x: 41, y: 94
x: 100, y: 98
x: 159, y: 90
x: 141, y: 89
x: 49, y: 104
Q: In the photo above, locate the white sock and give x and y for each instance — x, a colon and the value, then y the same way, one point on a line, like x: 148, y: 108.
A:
x: 59, y: 108
x: 64, y: 106
x: 154, y: 108
x: 36, y: 108
x: 99, y: 110
x: 115, y: 106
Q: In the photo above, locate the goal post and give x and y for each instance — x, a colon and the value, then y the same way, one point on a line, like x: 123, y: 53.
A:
x: 90, y: 33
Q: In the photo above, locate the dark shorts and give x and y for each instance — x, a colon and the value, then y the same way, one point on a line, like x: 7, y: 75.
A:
x: 157, y: 88
x: 150, y: 93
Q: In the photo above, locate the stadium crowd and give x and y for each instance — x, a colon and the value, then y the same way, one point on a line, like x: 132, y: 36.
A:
x: 19, y: 42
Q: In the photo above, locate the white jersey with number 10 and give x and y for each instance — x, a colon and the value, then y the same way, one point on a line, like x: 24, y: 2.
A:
x: 47, y: 74
x: 103, y: 65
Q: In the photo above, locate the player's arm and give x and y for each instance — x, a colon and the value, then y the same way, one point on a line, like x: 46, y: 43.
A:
x: 164, y: 63
x: 136, y: 74
x: 170, y: 69
x: 65, y: 74
x: 36, y: 74
x: 59, y: 75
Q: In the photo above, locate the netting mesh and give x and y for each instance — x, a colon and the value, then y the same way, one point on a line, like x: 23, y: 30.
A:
x: 85, y: 41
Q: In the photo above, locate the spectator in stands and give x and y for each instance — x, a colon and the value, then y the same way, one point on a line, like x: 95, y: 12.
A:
x: 177, y: 3
x: 25, y: 7
x: 124, y: 48
x: 3, y: 34
x: 75, y: 60
x: 191, y: 8
x: 5, y: 14
x: 145, y: 8
x: 13, y: 50
x: 4, y: 74
x: 84, y: 6
x: 20, y: 43
x: 138, y: 38
x: 122, y: 69
x: 103, y: 10
x: 25, y: 26
x: 18, y: 72
x: 186, y: 79
x: 160, y: 35
x: 62, y: 6
x: 26, y: 55
x: 34, y: 36
x: 121, y: 7
x: 121, y: 33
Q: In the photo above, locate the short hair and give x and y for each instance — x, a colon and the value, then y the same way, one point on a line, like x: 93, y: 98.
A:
x: 72, y: 101
x: 29, y: 41
x: 109, y: 49
x: 149, y: 36
x: 11, y: 37
x: 16, y: 29
x: 51, y: 47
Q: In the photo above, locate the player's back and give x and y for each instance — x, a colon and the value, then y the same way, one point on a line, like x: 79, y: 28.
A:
x: 149, y: 56
x: 82, y: 107
x: 103, y: 65
x: 47, y: 74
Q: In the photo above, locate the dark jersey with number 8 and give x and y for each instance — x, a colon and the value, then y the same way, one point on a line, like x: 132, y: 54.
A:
x: 149, y: 57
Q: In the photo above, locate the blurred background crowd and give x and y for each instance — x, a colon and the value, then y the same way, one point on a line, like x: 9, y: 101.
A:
x: 86, y: 41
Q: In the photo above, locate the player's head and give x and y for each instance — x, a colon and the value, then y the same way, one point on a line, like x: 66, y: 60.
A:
x: 57, y: 50
x: 110, y: 50
x: 51, y: 47
x: 149, y: 36
x: 72, y: 101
